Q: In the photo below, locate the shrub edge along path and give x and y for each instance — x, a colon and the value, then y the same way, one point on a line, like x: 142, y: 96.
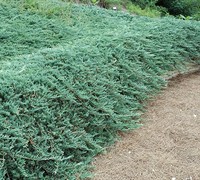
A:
x: 168, y: 145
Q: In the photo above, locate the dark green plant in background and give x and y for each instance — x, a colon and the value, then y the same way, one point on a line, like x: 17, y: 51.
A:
x: 173, y: 7
x: 153, y: 8
x: 183, y: 7
x: 145, y: 3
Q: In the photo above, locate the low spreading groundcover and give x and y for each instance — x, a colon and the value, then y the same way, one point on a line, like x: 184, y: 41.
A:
x: 69, y: 85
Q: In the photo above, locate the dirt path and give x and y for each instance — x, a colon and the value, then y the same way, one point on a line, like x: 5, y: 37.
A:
x: 167, y: 146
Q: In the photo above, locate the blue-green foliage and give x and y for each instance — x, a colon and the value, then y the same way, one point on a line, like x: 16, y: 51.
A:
x: 68, y: 86
x: 21, y: 33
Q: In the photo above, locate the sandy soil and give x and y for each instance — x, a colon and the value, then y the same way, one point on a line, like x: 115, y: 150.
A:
x: 167, y: 147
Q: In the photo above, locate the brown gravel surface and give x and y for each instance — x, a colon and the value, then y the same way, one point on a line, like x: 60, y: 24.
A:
x: 167, y: 147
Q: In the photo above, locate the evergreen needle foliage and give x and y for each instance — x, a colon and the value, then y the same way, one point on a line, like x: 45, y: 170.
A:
x: 69, y: 82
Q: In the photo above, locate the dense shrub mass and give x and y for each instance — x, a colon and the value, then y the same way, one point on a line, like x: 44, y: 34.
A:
x: 71, y: 81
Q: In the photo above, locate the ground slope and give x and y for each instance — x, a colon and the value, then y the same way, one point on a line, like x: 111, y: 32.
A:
x: 73, y: 76
x: 167, y: 146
